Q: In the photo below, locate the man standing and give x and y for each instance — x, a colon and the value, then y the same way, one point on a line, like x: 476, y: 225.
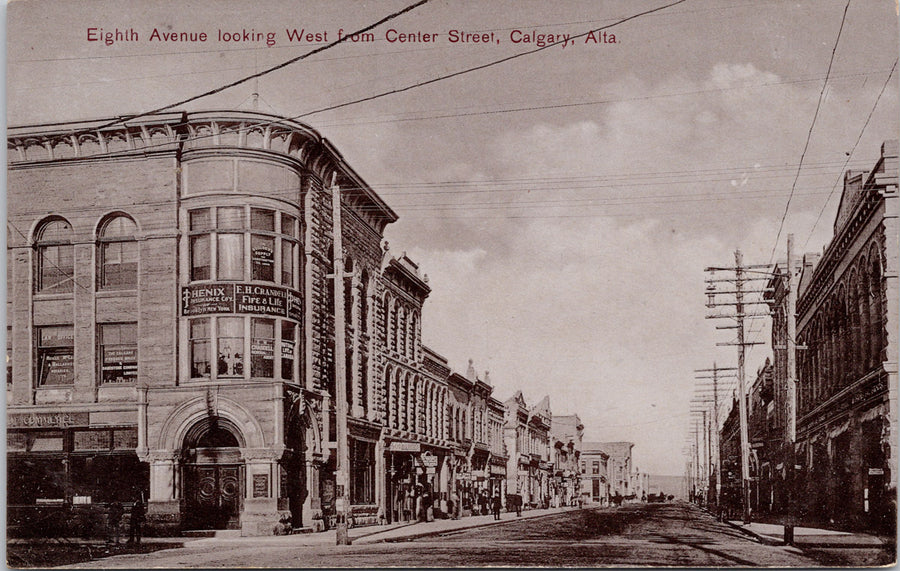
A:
x: 138, y: 514
x: 496, y: 505
x: 113, y: 521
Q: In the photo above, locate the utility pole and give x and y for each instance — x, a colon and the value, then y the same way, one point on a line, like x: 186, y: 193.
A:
x: 342, y: 475
x: 791, y: 404
x: 739, y: 280
x: 703, y: 395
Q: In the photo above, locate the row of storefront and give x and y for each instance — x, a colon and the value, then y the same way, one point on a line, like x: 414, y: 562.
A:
x: 172, y: 338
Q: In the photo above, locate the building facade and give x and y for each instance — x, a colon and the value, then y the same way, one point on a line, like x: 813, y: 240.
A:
x: 619, y: 468
x: 595, y: 485
x: 847, y: 323
x: 566, y: 435
x: 171, y: 304
x: 526, y: 433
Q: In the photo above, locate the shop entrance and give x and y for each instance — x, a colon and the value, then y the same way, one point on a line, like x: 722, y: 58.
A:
x: 213, y: 476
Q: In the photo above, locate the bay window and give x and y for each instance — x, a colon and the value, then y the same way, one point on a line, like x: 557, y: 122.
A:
x: 271, y: 346
x: 235, y: 243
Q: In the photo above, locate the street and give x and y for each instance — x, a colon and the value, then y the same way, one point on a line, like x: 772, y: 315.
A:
x: 672, y: 534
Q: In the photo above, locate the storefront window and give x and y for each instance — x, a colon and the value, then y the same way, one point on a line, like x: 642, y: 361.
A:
x: 200, y: 346
x: 118, y: 352
x: 56, y: 355
x: 288, y: 339
x: 55, y: 258
x: 262, y: 347
x: 230, y: 332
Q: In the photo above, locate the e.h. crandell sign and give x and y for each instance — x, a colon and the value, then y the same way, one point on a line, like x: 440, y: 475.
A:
x: 206, y: 299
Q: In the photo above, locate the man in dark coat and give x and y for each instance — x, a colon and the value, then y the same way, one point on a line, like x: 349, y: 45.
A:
x: 138, y: 515
x: 496, y: 505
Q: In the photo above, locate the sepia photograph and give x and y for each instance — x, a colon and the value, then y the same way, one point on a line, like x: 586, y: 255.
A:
x: 437, y: 284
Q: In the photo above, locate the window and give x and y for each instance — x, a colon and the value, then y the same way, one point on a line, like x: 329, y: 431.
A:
x: 262, y: 246
x: 56, y: 355
x: 288, y: 339
x: 118, y: 352
x: 55, y: 258
x: 230, y: 331
x: 9, y: 369
x: 225, y: 230
x: 229, y: 336
x: 200, y: 346
x: 118, y: 254
x: 595, y: 467
x: 262, y: 347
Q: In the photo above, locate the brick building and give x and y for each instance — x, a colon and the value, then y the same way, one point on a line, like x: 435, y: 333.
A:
x: 171, y: 327
x: 566, y: 434
x: 847, y: 322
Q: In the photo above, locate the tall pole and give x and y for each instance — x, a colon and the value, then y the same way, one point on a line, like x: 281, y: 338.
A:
x: 716, y: 431
x: 742, y: 400
x: 342, y: 475
x: 791, y: 400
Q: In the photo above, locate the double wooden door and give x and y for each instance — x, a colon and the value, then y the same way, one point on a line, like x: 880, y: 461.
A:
x: 213, y: 496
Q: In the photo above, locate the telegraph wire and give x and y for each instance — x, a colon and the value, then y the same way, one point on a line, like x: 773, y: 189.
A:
x: 482, y: 66
x: 267, y: 71
x: 809, y: 133
x: 850, y: 154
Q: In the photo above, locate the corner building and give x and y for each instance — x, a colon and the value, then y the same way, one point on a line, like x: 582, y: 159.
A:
x: 171, y: 324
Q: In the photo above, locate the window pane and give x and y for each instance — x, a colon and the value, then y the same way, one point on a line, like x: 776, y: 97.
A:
x: 288, y: 339
x: 262, y: 260
x: 289, y: 225
x: 56, y: 355
x: 56, y: 231
x: 200, y: 257
x: 118, y: 352
x: 262, y: 219
x: 287, y: 263
x: 262, y: 348
x: 230, y: 256
x: 57, y: 268
x: 230, y: 218
x: 200, y: 219
x: 118, y: 265
x: 200, y: 346
x: 119, y: 227
x: 231, y: 346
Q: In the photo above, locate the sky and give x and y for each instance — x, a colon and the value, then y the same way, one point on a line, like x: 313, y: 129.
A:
x: 564, y: 203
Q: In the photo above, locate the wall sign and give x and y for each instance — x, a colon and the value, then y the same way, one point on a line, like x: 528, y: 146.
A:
x: 241, y: 298
x: 42, y: 419
x: 260, y: 485
x: 404, y: 447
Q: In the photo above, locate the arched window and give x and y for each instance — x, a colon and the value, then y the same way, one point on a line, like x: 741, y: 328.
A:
x: 55, y: 257
x: 118, y: 253
x: 876, y: 316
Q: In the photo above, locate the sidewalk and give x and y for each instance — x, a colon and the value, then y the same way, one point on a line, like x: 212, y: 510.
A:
x: 810, y: 537
x: 377, y: 533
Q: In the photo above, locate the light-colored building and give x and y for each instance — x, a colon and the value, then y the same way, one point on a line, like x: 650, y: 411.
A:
x: 595, y: 486
x: 567, y: 434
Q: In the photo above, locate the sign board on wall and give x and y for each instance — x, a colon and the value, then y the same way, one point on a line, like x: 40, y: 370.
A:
x: 207, y: 299
x: 404, y: 447
x: 260, y: 485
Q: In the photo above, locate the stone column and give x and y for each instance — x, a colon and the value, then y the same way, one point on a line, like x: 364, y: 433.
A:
x: 260, y: 514
x: 164, y: 505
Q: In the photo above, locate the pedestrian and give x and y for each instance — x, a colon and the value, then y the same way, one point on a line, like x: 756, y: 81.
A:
x: 518, y: 501
x: 456, y: 507
x: 496, y: 505
x: 114, y: 521
x: 138, y: 514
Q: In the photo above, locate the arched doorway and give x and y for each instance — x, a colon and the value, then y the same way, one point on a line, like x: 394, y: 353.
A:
x: 213, y: 477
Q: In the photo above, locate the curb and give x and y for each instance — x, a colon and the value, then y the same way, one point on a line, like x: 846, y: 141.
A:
x: 763, y: 539
x: 419, y: 535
